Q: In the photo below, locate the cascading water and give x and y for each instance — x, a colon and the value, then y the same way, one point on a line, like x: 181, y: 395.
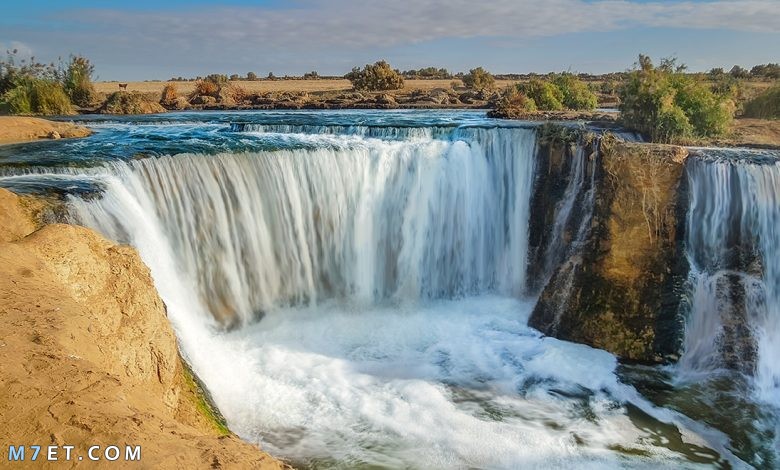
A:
x: 374, y: 275
x: 734, y: 249
x: 349, y: 219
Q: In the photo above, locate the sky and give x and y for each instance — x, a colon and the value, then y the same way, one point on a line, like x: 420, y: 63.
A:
x: 155, y: 39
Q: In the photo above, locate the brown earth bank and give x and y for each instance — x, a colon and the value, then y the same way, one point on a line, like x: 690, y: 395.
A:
x: 23, y: 129
x: 87, y: 356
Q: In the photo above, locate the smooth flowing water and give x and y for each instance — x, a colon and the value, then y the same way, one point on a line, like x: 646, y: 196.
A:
x: 350, y: 286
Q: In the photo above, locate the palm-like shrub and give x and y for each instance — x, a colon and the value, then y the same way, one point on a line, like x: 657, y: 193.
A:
x: 77, y: 81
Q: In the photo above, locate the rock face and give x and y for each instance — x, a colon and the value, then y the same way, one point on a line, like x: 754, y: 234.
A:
x: 619, y: 287
x: 87, y: 356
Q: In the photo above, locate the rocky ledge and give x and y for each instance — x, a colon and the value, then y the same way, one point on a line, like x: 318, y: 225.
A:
x: 87, y: 356
x: 23, y: 129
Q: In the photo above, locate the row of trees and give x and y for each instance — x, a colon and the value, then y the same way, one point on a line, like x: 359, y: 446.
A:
x: 31, y: 87
x: 769, y: 71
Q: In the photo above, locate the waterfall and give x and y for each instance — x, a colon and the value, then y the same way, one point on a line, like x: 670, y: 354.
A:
x: 351, y: 218
x: 733, y: 242
x: 390, y: 267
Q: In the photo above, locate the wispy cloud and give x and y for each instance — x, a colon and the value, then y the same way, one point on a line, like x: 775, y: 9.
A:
x: 306, y: 29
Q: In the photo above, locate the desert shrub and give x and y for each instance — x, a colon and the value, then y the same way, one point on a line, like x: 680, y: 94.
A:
x: 122, y: 102
x: 545, y: 95
x: 479, y: 79
x: 16, y: 101
x: 14, y: 69
x: 206, y: 87
x: 512, y: 105
x: 36, y: 96
x: 764, y: 106
x: 375, y: 77
x: 77, y: 81
x: 576, y: 94
x: 237, y: 93
x: 667, y: 105
x: 169, y: 94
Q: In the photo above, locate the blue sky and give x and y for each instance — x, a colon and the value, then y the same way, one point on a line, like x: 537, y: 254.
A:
x: 146, y: 39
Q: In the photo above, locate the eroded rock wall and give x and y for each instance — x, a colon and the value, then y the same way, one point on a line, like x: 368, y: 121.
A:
x: 621, y: 288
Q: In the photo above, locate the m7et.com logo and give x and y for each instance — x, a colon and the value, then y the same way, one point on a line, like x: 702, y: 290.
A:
x: 66, y: 453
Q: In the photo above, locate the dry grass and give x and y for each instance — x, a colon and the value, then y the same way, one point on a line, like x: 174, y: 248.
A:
x: 263, y: 86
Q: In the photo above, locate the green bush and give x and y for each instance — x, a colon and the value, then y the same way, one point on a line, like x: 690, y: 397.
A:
x: 36, y: 96
x: 77, y: 81
x: 545, y: 95
x: 576, y: 94
x: 667, y: 105
x: 479, y: 79
x: 764, y: 106
x: 376, y: 77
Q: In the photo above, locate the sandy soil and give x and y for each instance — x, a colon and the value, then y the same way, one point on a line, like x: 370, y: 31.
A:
x: 87, y: 356
x: 22, y: 129
x: 263, y: 86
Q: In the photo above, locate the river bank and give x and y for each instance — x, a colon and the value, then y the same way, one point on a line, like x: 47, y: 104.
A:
x: 87, y: 356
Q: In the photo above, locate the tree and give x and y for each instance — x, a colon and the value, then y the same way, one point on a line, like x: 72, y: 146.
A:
x: 251, y: 76
x: 667, y: 105
x: 770, y: 71
x: 479, y: 79
x: 375, y: 77
x: 739, y: 72
x: 234, y: 77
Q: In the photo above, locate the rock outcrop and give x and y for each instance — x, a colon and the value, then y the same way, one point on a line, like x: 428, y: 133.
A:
x: 23, y: 129
x: 620, y: 289
x: 87, y: 356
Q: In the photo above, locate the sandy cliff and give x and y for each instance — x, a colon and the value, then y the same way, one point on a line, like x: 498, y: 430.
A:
x: 87, y: 356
